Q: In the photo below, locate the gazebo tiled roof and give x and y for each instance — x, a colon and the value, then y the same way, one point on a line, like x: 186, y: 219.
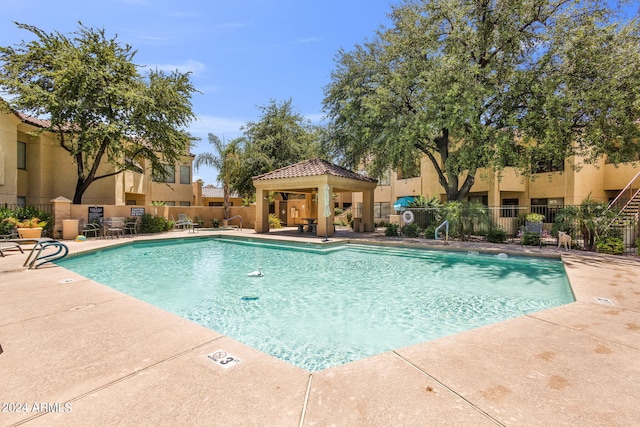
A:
x: 313, y: 167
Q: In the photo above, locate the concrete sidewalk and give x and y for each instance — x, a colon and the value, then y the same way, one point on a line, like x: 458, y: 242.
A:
x: 78, y: 353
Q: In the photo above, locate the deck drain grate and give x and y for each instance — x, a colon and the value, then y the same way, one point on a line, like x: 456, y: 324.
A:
x: 66, y: 280
x: 606, y: 301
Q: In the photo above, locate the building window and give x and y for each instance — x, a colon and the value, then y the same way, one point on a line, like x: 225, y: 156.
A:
x: 216, y: 203
x: 169, y: 175
x: 509, y: 208
x: 185, y: 203
x: 21, y: 201
x: 185, y: 175
x: 482, y: 200
x: 541, y: 163
x: 381, y: 209
x: 22, y: 155
x: 410, y: 170
x: 547, y: 207
x: 130, y: 202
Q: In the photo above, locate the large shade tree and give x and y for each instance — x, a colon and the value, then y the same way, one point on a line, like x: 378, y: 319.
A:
x: 280, y: 137
x: 95, y: 98
x: 488, y: 83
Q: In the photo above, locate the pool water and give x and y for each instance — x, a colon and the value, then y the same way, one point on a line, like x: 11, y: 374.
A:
x: 318, y: 307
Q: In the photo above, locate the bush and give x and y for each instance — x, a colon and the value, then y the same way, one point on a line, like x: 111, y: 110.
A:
x: 430, y: 231
x: 496, y: 235
x: 22, y: 214
x: 154, y: 224
x: 411, y: 230
x: 391, y: 230
x: 274, y: 221
x: 215, y: 223
x: 337, y: 211
x: 610, y: 245
x: 530, y: 239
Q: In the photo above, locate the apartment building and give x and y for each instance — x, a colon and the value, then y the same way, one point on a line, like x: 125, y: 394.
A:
x: 34, y: 169
x: 548, y: 187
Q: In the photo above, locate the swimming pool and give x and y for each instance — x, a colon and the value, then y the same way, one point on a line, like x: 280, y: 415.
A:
x: 321, y: 306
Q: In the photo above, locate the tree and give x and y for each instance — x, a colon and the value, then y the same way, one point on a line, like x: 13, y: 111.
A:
x: 279, y: 138
x: 226, y: 160
x: 486, y: 83
x: 96, y: 101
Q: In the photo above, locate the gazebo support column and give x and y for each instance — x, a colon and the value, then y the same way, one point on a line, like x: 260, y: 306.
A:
x: 325, y: 225
x: 262, y: 211
x: 367, y: 211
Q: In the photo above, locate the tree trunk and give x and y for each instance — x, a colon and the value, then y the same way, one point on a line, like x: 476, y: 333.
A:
x: 81, y: 187
x: 449, y: 179
x: 225, y: 193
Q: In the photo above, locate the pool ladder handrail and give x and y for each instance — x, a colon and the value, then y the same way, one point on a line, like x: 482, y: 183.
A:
x: 39, y: 247
x: 446, y: 228
x: 225, y: 222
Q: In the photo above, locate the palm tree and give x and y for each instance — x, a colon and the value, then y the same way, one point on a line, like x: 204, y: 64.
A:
x: 226, y: 160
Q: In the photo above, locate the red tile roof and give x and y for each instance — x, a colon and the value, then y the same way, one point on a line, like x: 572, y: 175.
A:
x: 313, y: 167
x: 33, y: 121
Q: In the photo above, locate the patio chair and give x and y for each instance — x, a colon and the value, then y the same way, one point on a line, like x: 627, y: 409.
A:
x: 89, y: 229
x: 183, y: 222
x: 131, y: 226
x: 114, y: 227
x: 530, y: 232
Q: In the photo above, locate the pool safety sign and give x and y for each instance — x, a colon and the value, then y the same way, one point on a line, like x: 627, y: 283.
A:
x: 223, y: 359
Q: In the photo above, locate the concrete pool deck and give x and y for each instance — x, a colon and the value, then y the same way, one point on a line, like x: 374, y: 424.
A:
x: 76, y: 353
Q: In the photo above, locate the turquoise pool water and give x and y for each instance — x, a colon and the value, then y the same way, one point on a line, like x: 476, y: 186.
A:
x: 318, y: 307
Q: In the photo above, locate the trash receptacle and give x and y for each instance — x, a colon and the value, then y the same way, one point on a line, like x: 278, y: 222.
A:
x: 69, y: 229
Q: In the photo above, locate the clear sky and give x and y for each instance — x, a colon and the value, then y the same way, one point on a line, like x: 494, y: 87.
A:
x: 242, y: 53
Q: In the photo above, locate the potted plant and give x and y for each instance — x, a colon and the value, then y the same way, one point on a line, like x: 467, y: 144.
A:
x: 29, y: 228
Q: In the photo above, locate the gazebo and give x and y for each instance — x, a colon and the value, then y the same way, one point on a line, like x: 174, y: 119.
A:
x: 309, y: 177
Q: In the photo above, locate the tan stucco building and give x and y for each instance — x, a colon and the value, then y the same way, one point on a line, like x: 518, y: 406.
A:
x: 545, y: 189
x: 34, y: 169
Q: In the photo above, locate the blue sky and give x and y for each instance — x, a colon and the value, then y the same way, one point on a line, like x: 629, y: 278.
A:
x: 242, y: 53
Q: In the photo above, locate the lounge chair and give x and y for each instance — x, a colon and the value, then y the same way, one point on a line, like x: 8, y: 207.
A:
x: 9, y: 246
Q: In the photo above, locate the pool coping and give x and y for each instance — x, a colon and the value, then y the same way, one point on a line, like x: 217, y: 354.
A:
x: 131, y: 363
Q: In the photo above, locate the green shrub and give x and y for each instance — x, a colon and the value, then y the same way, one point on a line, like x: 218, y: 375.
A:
x: 154, y: 224
x: 610, y: 245
x: 337, y: 211
x: 391, y: 230
x: 274, y: 221
x: 411, y: 230
x: 430, y: 231
x: 215, y: 223
x: 530, y: 239
x: 25, y: 213
x: 496, y: 235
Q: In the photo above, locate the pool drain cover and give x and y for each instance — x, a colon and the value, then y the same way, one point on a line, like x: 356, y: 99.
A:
x: 604, y: 300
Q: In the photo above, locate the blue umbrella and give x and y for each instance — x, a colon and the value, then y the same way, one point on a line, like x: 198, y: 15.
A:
x: 402, y: 203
